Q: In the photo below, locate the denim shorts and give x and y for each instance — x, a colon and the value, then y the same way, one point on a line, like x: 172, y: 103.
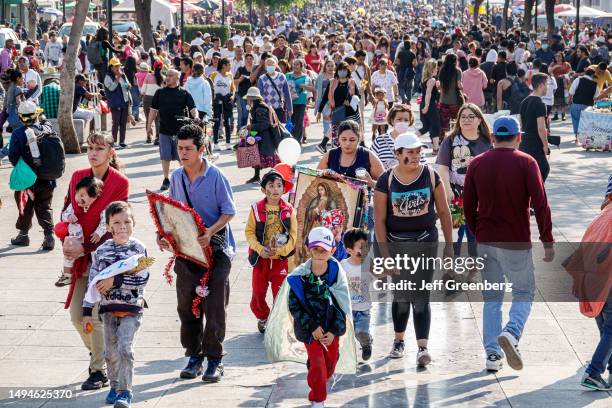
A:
x: 167, y: 147
x: 361, y: 321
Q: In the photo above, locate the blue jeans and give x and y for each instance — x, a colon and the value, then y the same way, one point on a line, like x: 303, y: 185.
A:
x: 603, y: 353
x: 575, y: 110
x: 471, y: 239
x: 361, y: 321
x: 517, y: 267
x: 135, y: 102
x: 405, y: 89
x: 243, y: 112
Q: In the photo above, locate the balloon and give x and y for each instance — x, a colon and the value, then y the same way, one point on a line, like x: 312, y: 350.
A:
x: 61, y: 230
x: 289, y: 151
x: 287, y: 172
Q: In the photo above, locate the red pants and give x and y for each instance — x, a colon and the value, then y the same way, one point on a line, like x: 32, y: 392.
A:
x: 265, y: 272
x: 322, y: 364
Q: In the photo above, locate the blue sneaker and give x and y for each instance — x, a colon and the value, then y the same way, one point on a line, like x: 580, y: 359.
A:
x: 111, y: 397
x: 123, y: 400
x: 193, y: 369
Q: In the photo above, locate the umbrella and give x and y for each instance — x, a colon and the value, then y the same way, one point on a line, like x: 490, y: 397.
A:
x: 208, y: 4
x: 559, y: 8
x: 50, y: 11
x: 587, y: 12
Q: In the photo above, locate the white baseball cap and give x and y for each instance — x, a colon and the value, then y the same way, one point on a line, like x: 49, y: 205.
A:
x: 321, y: 237
x: 29, y: 108
x: 408, y: 141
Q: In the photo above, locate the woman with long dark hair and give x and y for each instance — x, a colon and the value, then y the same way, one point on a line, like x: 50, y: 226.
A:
x: 152, y: 82
x: 339, y: 93
x: 103, y: 165
x: 470, y: 137
x: 430, y: 113
x: 451, y: 97
x: 105, y: 48
x: 559, y: 70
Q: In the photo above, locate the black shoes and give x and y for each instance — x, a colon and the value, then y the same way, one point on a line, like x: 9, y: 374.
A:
x: 48, y: 243
x: 193, y: 369
x: 214, y: 371
x: 165, y: 185
x: 96, y: 380
x: 21, y: 239
x: 366, y: 352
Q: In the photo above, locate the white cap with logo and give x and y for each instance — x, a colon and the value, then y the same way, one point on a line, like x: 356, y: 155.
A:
x: 321, y: 237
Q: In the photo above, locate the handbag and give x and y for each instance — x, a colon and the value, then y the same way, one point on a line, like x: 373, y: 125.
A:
x: 283, y: 116
x: 278, y: 130
x: 248, y: 156
x: 22, y: 176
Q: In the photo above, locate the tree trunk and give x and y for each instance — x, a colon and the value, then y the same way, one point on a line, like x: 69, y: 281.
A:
x: 263, y: 15
x: 527, y: 16
x: 143, y: 18
x: 477, y: 4
x: 549, y: 7
x: 31, y: 6
x: 505, y: 15
x: 66, y: 126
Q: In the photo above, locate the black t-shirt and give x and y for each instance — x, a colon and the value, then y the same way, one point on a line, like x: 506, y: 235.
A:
x: 532, y: 108
x: 410, y: 207
x: 405, y: 57
x: 79, y: 93
x: 244, y: 86
x: 170, y: 104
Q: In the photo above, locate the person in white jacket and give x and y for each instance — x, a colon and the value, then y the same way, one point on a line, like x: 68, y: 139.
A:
x: 53, y: 50
x: 199, y: 89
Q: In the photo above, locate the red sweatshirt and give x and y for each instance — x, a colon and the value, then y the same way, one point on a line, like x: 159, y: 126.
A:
x: 499, y: 185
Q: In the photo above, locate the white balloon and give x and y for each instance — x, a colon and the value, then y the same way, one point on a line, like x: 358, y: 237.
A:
x: 289, y: 151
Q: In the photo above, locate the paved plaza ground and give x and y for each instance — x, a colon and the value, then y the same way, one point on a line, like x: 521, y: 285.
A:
x: 40, y: 348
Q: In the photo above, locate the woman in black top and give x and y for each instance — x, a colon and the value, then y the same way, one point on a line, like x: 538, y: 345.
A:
x: 106, y: 49
x: 430, y: 113
x: 339, y: 92
x: 404, y: 211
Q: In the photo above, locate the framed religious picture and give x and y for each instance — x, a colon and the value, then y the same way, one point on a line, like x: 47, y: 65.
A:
x: 180, y: 225
x: 326, y: 199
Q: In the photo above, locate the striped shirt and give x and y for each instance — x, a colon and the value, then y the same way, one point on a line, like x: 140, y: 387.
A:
x: 383, y: 148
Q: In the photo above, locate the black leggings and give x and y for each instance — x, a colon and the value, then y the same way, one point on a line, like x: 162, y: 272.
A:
x: 120, y: 117
x: 431, y: 122
x: 400, y: 311
x: 222, y: 113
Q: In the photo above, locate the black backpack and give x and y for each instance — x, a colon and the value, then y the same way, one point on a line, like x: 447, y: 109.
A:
x: 94, y: 53
x: 518, y: 92
x: 52, y: 155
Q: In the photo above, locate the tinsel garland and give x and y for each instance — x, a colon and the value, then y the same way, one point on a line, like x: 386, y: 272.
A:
x: 201, y: 291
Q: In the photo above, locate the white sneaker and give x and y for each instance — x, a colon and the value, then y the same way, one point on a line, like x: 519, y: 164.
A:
x: 494, y: 362
x: 217, y: 147
x: 423, y: 358
x: 509, y: 344
x: 318, y: 404
x: 228, y: 146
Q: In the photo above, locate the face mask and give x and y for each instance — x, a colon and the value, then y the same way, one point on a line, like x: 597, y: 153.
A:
x: 342, y: 73
x: 270, y: 69
x: 401, y: 127
x: 544, y: 47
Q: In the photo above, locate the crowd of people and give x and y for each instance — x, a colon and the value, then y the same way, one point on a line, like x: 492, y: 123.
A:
x: 326, y: 64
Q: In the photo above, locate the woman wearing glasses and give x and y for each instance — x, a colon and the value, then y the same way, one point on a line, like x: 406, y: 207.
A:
x: 470, y: 137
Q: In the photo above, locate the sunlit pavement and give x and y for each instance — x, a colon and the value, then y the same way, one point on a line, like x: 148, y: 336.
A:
x: 40, y: 348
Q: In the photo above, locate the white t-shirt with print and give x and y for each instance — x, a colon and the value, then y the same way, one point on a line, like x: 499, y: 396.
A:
x: 387, y: 81
x: 359, y: 286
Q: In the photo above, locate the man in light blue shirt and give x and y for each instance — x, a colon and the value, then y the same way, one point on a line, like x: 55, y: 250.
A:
x: 202, y: 186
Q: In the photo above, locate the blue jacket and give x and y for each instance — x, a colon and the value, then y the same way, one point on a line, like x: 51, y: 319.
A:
x: 200, y: 91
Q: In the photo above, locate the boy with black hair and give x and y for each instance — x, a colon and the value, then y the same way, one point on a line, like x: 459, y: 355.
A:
x: 356, y: 244
x: 271, y: 232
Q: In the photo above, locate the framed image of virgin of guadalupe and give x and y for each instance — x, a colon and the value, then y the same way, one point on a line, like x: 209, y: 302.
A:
x: 180, y: 225
x: 319, y: 196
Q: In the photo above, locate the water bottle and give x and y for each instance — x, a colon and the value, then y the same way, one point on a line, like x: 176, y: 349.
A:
x: 33, y: 144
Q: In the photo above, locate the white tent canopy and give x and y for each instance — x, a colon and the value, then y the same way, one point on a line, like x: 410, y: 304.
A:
x: 586, y: 12
x: 160, y: 10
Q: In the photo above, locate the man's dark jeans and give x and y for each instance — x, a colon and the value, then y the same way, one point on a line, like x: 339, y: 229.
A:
x: 198, y: 340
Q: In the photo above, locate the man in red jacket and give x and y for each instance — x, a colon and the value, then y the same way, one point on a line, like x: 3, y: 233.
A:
x: 500, y: 186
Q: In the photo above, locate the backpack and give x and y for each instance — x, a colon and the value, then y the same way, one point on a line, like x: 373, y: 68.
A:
x: 94, y: 53
x: 52, y: 154
x: 518, y: 92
